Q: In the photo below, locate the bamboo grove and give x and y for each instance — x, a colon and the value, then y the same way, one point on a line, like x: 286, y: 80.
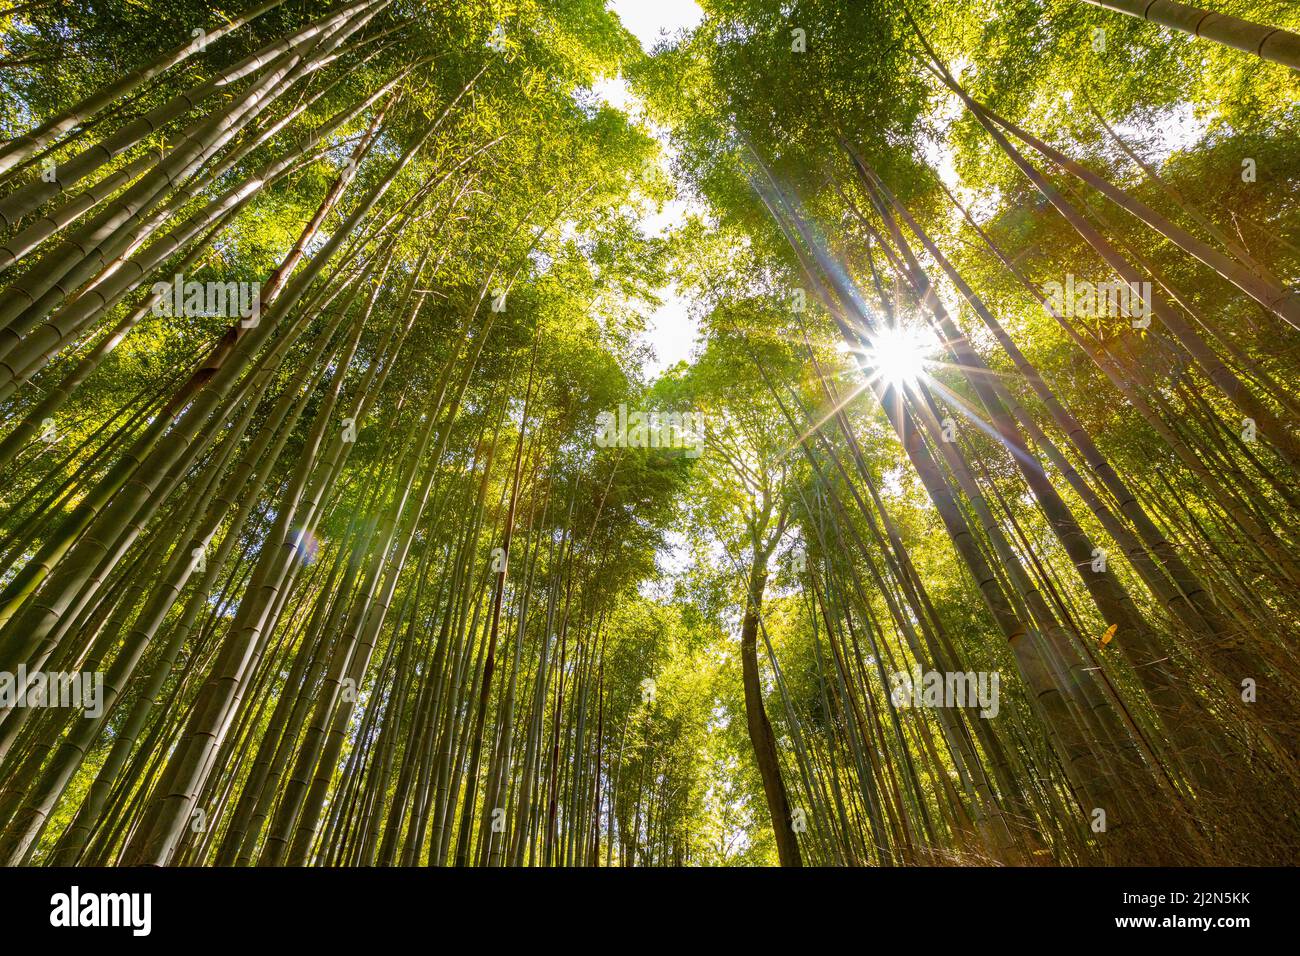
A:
x: 315, y: 318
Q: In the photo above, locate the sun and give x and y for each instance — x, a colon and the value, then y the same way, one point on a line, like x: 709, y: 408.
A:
x: 898, y: 354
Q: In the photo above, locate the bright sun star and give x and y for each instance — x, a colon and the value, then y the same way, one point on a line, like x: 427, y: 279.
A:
x: 898, y: 354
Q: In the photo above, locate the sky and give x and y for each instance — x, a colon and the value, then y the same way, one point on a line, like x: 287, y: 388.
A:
x: 670, y: 331
x: 645, y: 18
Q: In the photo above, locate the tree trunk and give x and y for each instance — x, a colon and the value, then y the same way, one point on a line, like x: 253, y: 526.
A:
x: 760, y: 729
x: 1271, y: 43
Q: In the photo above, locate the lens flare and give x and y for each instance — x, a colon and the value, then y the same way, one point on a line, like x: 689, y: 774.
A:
x: 307, y: 545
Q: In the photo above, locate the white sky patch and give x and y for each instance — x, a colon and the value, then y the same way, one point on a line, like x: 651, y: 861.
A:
x: 615, y: 92
x: 1156, y: 138
x: 675, y: 557
x: 672, y: 561
x: 939, y: 154
x: 669, y: 329
x: 1172, y: 131
x: 649, y: 20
